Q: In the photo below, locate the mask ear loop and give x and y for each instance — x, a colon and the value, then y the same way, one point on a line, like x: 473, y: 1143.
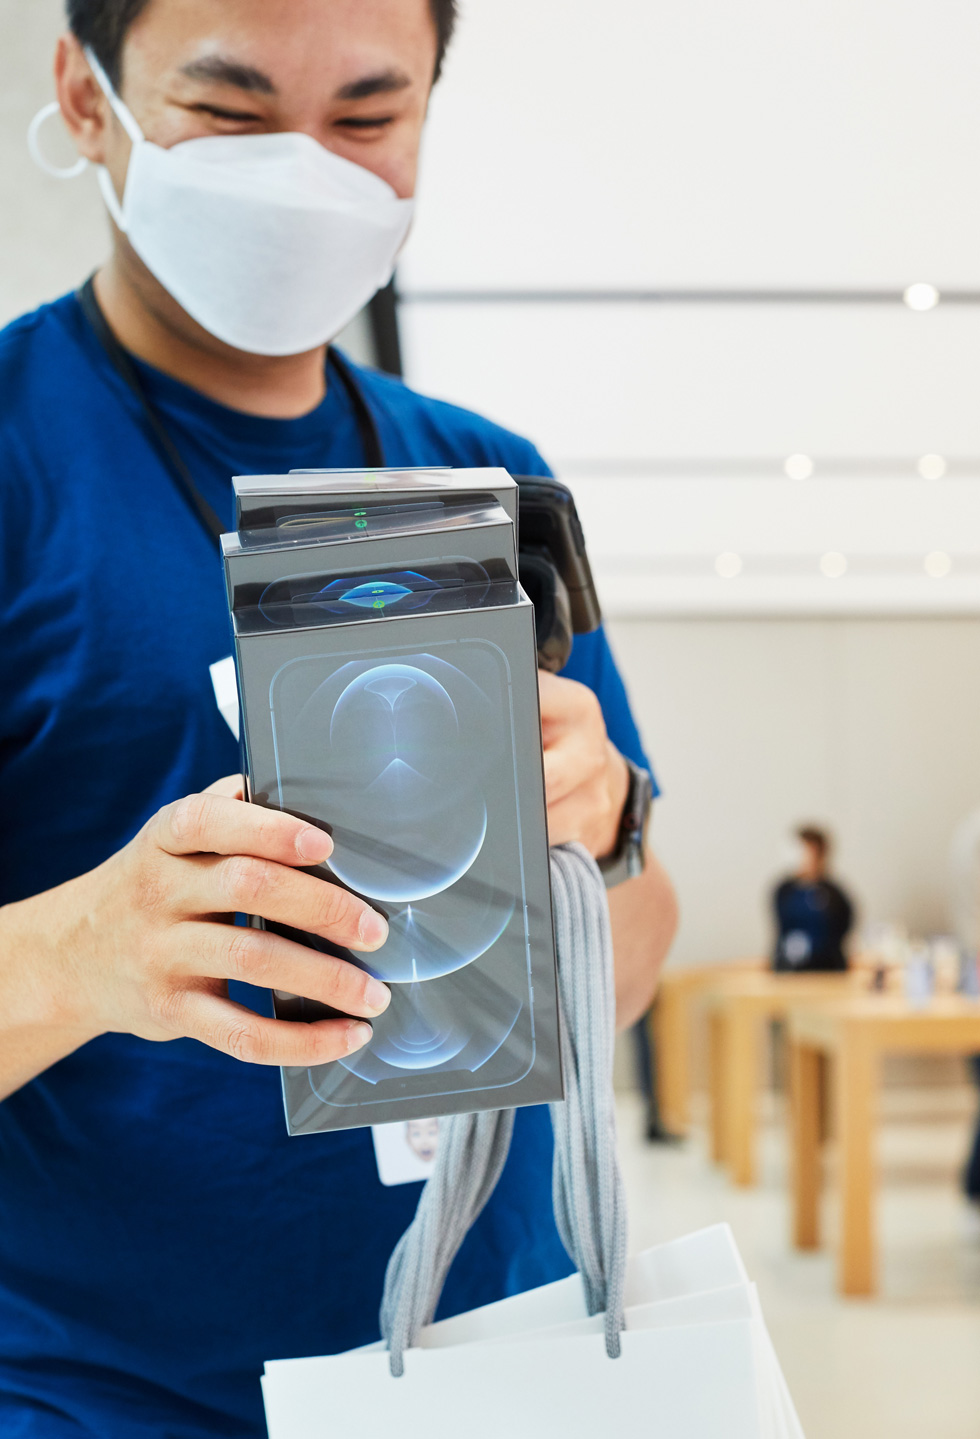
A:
x: 110, y: 197
x: 60, y: 172
x: 120, y: 109
x: 127, y: 120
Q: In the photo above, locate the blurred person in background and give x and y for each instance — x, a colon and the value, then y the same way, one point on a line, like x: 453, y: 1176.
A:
x: 813, y: 914
x: 645, y: 1060
x: 160, y: 1235
x: 971, y: 1172
x: 964, y: 860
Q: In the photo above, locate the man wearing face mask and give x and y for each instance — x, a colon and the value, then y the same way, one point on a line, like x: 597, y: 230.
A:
x: 160, y: 1237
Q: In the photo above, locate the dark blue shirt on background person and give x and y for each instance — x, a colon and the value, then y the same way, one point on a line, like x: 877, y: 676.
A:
x: 813, y: 919
x: 160, y: 1235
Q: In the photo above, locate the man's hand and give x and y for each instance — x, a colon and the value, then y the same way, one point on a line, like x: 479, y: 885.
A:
x: 145, y: 945
x: 586, y: 778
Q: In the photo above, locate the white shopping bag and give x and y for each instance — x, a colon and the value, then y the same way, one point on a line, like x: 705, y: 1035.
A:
x: 697, y: 1363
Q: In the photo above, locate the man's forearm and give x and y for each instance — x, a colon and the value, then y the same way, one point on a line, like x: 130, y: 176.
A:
x: 643, y: 912
x: 36, y: 1028
x: 26, y: 1053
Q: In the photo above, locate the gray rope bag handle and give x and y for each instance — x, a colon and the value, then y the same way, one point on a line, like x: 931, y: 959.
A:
x: 589, y: 1199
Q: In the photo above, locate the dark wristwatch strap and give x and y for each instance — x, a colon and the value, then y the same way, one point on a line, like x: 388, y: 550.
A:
x: 628, y: 858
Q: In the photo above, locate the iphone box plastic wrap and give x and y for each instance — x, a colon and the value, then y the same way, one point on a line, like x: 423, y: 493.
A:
x: 387, y: 669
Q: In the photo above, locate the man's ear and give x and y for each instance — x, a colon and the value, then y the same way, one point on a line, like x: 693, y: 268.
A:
x: 84, y: 109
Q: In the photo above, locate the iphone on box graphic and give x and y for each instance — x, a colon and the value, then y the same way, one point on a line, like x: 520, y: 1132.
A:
x: 410, y: 757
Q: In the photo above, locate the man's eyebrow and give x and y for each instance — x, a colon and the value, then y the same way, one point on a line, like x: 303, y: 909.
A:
x: 383, y: 83
x: 224, y: 71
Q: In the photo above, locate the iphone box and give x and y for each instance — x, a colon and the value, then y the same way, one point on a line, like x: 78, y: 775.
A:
x: 388, y: 684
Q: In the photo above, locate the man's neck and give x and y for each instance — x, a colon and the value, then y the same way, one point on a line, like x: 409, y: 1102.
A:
x: 149, y: 323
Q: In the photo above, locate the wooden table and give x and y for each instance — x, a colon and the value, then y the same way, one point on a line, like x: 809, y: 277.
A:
x: 738, y: 1006
x: 671, y: 1022
x: 853, y: 1034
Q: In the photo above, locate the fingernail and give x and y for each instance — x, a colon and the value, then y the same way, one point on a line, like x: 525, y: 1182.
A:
x: 358, y: 1035
x: 372, y: 929
x: 377, y: 996
x: 314, y: 845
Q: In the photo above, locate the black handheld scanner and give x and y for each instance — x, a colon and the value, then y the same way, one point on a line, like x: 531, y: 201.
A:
x: 554, y: 568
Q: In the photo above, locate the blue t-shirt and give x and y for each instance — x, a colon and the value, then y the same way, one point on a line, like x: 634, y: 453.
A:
x: 160, y: 1235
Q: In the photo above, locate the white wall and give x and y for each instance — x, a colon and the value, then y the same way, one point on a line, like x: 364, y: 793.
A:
x: 868, y: 726
x: 824, y: 146
x: 52, y: 234
x: 701, y: 142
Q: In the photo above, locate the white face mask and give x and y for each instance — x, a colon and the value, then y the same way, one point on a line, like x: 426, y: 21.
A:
x: 271, y: 242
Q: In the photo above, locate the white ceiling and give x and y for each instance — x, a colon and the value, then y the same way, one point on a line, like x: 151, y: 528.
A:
x: 701, y: 145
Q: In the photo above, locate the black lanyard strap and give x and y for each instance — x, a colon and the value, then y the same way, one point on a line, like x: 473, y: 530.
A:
x: 367, y: 428
x: 122, y: 363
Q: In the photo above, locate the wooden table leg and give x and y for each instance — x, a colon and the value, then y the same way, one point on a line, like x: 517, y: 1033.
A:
x: 826, y: 1099
x: 669, y: 1021
x: 717, y: 1070
x: 741, y: 1090
x: 855, y: 1131
x: 805, y: 1106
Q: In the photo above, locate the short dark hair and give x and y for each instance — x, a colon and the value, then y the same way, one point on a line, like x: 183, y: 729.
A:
x: 102, y: 24
x: 819, y: 838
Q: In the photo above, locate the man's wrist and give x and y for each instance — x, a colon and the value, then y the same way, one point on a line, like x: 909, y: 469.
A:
x: 36, y: 989
x: 40, y: 1024
x: 628, y: 857
x: 618, y: 784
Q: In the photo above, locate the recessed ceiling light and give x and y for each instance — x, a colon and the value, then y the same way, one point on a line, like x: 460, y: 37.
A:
x: 931, y: 467
x: 728, y: 565
x: 938, y: 564
x: 921, y: 296
x: 798, y: 467
x: 833, y: 565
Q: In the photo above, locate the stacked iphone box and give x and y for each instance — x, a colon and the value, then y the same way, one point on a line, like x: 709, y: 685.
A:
x: 388, y: 681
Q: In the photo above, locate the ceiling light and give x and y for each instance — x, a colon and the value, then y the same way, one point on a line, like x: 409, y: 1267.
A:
x: 728, y: 565
x: 938, y: 564
x: 798, y: 467
x: 921, y: 296
x: 833, y: 565
x: 931, y: 467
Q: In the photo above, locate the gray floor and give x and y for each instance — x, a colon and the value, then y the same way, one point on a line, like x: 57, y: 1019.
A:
x: 905, y: 1365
